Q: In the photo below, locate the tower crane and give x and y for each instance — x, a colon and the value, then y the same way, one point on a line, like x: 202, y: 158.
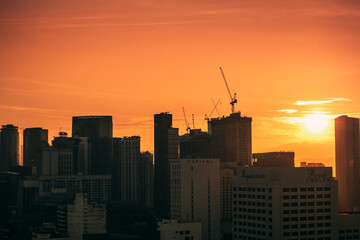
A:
x: 233, y: 98
x: 208, y: 117
x: 186, y: 122
x: 193, y: 121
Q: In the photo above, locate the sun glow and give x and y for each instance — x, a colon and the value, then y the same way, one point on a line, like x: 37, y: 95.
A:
x: 316, y: 123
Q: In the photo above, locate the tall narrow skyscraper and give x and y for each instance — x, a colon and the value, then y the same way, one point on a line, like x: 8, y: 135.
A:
x: 100, y: 131
x: 231, y: 139
x: 9, y: 147
x: 347, y: 151
x: 33, y: 137
x: 166, y: 144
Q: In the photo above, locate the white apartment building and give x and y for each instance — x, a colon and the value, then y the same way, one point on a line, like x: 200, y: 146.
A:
x: 285, y: 203
x: 195, y: 194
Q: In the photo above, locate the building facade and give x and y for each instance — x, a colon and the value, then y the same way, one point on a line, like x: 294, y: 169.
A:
x: 274, y: 159
x: 99, y: 129
x: 195, y: 194
x: 32, y: 139
x: 174, y: 229
x: 9, y: 147
x: 347, y: 159
x: 98, y: 187
x: 285, y: 203
x: 166, y: 143
x: 231, y: 138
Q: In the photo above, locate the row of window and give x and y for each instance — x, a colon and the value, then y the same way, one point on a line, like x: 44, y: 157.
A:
x: 311, y: 196
x: 304, y: 204
x: 310, y: 225
x: 304, y: 189
x: 303, y: 211
x: 306, y: 218
x: 303, y: 233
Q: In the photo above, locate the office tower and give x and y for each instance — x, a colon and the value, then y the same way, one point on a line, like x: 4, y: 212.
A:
x: 274, y: 159
x: 9, y: 147
x: 146, y: 179
x: 195, y: 194
x: 231, y: 138
x: 126, y: 162
x: 32, y: 139
x: 9, y: 182
x: 98, y: 187
x: 285, y: 203
x: 173, y: 229
x: 28, y: 194
x: 100, y: 131
x: 347, y: 158
x: 166, y: 141
x: 53, y: 161
x: 81, y: 151
x: 195, y: 144
x: 85, y: 220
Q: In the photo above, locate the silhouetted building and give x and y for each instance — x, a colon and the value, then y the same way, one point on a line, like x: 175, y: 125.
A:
x: 195, y: 193
x: 53, y: 161
x: 98, y: 187
x: 195, y: 144
x: 9, y: 182
x: 227, y: 177
x: 177, y: 230
x: 231, y: 139
x: 130, y: 220
x: 349, y: 226
x: 32, y: 139
x: 100, y: 131
x: 127, y: 160
x: 146, y: 179
x: 9, y: 147
x: 274, y: 159
x: 80, y: 148
x: 85, y: 220
x: 285, y: 203
x: 347, y: 152
x: 166, y: 144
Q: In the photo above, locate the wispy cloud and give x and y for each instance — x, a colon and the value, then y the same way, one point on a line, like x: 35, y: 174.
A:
x: 321, y: 101
x: 288, y: 110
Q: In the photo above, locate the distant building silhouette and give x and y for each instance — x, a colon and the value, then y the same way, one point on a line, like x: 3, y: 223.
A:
x: 32, y: 139
x: 195, y: 144
x: 231, y: 139
x: 285, y: 203
x: 195, y: 193
x: 100, y: 131
x: 347, y: 153
x: 133, y: 172
x: 274, y: 159
x: 9, y: 147
x: 80, y: 148
x: 166, y: 143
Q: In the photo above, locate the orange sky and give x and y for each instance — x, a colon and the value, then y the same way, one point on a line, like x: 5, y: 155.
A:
x: 131, y: 59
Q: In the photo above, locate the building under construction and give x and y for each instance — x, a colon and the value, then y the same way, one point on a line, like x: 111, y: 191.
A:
x: 231, y: 138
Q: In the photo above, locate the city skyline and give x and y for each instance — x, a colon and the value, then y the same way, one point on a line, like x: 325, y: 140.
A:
x: 133, y: 60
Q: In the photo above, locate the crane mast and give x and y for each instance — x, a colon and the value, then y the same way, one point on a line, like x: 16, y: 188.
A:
x: 186, y: 122
x: 232, y: 98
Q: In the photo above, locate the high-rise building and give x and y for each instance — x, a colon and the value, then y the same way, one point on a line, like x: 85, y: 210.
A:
x: 32, y: 139
x: 166, y: 144
x: 81, y: 151
x: 133, y: 172
x: 98, y: 187
x: 195, y: 144
x: 347, y: 153
x: 231, y: 138
x: 285, y: 203
x: 126, y: 159
x: 274, y: 159
x: 9, y: 147
x: 85, y: 220
x: 99, y: 129
x: 195, y: 194
x: 146, y: 179
x: 53, y: 161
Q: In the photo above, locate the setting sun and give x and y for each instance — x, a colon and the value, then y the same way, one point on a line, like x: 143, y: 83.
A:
x: 316, y: 123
